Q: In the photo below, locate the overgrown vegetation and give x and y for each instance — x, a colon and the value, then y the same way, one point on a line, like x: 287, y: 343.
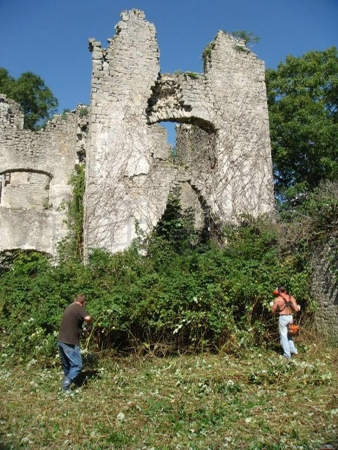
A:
x: 84, y: 111
x: 169, y: 292
x: 247, y: 37
x: 242, y: 37
x: 192, y: 75
x: 206, y: 55
x: 177, y: 292
x: 72, y: 246
x: 244, y: 40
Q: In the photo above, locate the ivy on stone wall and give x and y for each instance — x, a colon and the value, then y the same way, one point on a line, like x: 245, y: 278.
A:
x: 72, y: 245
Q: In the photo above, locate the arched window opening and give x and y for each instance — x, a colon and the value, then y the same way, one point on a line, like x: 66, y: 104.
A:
x: 24, y: 189
x: 193, y: 150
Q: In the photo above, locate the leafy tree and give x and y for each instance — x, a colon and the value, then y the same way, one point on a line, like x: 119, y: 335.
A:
x: 302, y: 99
x: 176, y: 226
x: 35, y: 98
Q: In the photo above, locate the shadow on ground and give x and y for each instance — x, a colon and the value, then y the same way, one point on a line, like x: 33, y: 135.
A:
x: 84, y: 377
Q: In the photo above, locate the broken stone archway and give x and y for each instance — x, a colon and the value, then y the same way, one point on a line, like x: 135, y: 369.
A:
x: 223, y: 140
x: 24, y: 196
x: 194, y: 157
x: 195, y: 142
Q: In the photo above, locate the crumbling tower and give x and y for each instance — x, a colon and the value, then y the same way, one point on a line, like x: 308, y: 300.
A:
x: 223, y: 143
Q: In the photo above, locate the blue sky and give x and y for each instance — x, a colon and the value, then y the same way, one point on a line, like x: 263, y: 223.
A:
x: 50, y: 38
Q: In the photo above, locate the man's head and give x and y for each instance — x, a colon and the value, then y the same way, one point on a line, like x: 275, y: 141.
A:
x: 80, y: 298
x: 282, y: 290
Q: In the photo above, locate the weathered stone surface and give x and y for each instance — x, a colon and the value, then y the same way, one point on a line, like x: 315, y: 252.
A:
x: 223, y: 163
x: 325, y: 288
x: 223, y: 146
x: 35, y: 169
x: 11, y: 115
x: 128, y: 174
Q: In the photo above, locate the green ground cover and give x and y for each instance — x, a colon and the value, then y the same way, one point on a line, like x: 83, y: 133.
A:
x: 255, y: 400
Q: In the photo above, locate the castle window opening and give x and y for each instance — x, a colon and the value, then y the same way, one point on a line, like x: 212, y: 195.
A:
x: 25, y: 189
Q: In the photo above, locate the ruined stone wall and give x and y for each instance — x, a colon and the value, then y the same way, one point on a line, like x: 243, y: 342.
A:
x: 229, y: 102
x: 11, y: 116
x: 223, y: 166
x: 196, y: 162
x: 129, y: 168
x: 325, y: 288
x: 35, y: 169
x: 243, y: 177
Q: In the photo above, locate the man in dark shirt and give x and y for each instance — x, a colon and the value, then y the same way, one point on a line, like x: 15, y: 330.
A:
x: 68, y: 341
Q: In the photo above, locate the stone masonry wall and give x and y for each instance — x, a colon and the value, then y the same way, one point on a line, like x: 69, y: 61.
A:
x: 242, y: 181
x: 129, y: 167
x: 223, y: 166
x: 325, y: 288
x: 35, y: 169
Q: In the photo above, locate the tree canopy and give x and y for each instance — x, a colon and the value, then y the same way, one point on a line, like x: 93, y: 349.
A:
x: 302, y: 99
x: 35, y: 98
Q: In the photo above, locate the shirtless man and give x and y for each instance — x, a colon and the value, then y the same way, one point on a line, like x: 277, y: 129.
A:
x: 284, y: 305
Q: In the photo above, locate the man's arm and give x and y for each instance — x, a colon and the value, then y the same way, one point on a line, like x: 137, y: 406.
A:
x: 274, y: 307
x: 85, y: 316
x: 294, y: 305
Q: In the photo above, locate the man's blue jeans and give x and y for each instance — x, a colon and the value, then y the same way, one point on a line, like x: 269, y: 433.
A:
x: 286, y: 341
x: 71, y: 361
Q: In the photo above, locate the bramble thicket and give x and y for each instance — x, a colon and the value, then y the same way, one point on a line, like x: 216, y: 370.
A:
x: 166, y: 294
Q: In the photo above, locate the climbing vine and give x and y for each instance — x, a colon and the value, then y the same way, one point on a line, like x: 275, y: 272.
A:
x: 72, y: 245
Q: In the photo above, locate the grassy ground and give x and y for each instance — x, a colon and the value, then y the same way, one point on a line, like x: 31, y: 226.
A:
x: 255, y: 401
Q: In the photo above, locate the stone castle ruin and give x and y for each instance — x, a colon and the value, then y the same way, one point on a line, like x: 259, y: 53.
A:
x: 222, y: 166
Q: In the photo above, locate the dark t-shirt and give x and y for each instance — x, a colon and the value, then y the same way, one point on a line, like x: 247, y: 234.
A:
x: 71, y: 324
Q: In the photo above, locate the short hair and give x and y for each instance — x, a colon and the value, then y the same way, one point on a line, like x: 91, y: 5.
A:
x: 283, y: 289
x: 80, y: 298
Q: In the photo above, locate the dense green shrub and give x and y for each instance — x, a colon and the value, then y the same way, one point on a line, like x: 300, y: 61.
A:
x: 169, y: 291
x: 186, y: 298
